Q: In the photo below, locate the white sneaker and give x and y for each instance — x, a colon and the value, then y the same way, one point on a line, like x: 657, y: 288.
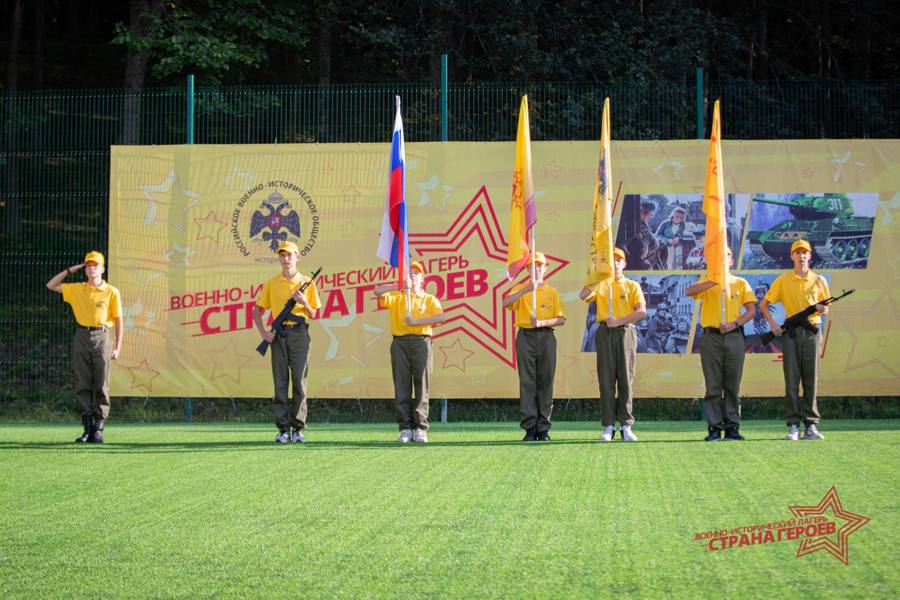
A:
x: 793, y: 434
x: 406, y: 436
x: 420, y: 436
x: 627, y: 434
x: 296, y: 436
x: 284, y: 437
x: 607, y: 434
x: 813, y: 434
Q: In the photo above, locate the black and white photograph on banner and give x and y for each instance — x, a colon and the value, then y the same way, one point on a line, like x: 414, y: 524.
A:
x: 667, y: 328
x: 666, y: 232
x: 756, y: 328
x: 838, y: 226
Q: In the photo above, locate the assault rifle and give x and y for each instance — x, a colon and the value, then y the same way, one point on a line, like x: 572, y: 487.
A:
x: 277, y: 324
x: 800, y: 319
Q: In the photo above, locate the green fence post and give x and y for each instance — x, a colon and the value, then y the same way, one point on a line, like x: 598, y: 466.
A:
x: 189, y: 129
x: 444, y: 97
x: 701, y: 129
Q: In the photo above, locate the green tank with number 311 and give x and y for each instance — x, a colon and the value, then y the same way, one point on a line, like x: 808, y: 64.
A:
x: 827, y: 222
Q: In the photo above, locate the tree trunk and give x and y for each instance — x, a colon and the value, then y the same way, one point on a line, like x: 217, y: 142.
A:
x: 136, y: 69
x: 12, y: 224
x: 15, y: 39
x: 325, y: 19
x: 40, y: 29
x: 761, y: 41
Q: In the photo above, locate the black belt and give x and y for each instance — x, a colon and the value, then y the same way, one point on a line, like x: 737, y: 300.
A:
x: 101, y: 328
x: 719, y: 331
x: 413, y: 335
x: 537, y: 328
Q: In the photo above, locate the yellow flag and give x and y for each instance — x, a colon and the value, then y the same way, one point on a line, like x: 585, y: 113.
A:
x: 523, y: 212
x: 600, y: 253
x: 714, y: 249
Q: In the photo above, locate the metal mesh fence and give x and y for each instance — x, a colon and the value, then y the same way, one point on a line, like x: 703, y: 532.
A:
x: 55, y: 156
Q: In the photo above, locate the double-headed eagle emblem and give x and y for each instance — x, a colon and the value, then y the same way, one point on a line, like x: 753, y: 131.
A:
x: 275, y: 220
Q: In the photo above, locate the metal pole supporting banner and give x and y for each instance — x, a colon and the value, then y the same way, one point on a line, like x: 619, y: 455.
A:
x: 189, y: 127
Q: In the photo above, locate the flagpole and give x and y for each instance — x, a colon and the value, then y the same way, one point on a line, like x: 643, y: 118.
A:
x: 533, y: 277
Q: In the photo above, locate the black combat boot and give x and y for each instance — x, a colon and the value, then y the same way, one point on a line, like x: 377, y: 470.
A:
x: 530, y: 435
x: 97, y: 435
x: 88, y: 423
x: 732, y: 432
x: 715, y: 434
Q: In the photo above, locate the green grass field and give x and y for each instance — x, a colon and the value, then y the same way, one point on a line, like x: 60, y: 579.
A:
x: 198, y: 511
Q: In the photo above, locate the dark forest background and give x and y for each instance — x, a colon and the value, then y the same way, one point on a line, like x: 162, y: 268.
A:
x: 138, y: 43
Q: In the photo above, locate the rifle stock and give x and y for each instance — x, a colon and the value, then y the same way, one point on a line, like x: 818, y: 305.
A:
x: 278, y: 322
x: 800, y: 319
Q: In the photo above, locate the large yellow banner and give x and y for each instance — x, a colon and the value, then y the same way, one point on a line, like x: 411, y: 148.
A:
x: 192, y: 229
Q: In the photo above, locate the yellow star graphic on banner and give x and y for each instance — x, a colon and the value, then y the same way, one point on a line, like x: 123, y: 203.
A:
x: 455, y: 355
x: 142, y: 376
x: 349, y: 337
x: 863, y: 353
x: 228, y: 362
x: 210, y: 227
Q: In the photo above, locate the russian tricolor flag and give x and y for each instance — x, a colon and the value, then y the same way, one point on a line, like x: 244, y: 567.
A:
x: 393, y: 247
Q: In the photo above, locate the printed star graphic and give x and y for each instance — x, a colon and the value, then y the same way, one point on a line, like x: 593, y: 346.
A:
x: 351, y: 195
x: 166, y: 187
x: 347, y: 341
x: 837, y: 163
x: 227, y: 362
x: 672, y: 169
x: 864, y: 354
x: 184, y: 251
x: 852, y: 522
x: 551, y: 170
x: 142, y: 376
x: 477, y: 230
x: 455, y: 355
x: 245, y: 177
x: 210, y: 227
x: 808, y: 173
x: 889, y: 206
x: 564, y: 363
x: 433, y: 185
x: 553, y: 216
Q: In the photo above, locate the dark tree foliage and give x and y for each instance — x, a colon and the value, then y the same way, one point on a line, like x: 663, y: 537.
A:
x: 71, y: 43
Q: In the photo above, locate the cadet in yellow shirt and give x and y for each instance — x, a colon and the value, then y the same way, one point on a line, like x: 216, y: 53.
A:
x: 97, y: 306
x: 290, y: 351
x: 536, y: 349
x: 798, y: 289
x: 722, y: 350
x: 617, y: 346
x: 412, y: 318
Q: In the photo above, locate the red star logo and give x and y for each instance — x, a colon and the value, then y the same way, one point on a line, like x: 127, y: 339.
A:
x: 852, y: 523
x: 477, y: 229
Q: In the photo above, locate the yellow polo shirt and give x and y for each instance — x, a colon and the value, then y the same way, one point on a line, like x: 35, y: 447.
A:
x: 626, y: 295
x: 711, y: 309
x: 93, y: 306
x: 278, y: 290
x: 549, y: 306
x: 796, y: 293
x: 423, y: 306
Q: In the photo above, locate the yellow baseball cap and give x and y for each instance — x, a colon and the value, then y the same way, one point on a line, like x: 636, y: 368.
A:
x: 416, y: 266
x: 94, y: 256
x: 287, y: 247
x: 800, y: 245
x: 618, y: 252
x: 539, y: 258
